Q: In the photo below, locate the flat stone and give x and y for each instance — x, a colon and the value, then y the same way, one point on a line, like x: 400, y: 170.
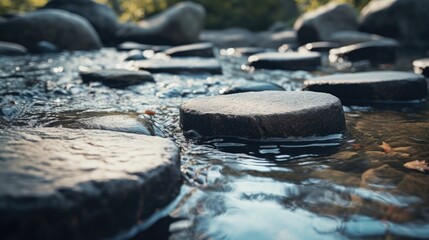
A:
x: 376, y: 52
x: 58, y: 183
x: 322, y: 47
x: 135, y: 55
x: 245, y: 51
x: 192, y: 50
x: 421, y: 66
x: 179, y: 66
x: 117, y: 78
x: 286, y: 61
x: 11, y: 49
x: 383, y: 86
x: 353, y: 37
x: 251, y: 86
x: 128, y: 46
x: 268, y: 114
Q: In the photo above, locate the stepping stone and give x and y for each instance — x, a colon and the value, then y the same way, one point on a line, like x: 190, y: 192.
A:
x: 421, y: 66
x: 61, y: 183
x: 323, y: 47
x: 379, y: 86
x: 268, y: 114
x: 251, y: 86
x: 243, y: 51
x: 205, y: 50
x: 286, y: 61
x: 11, y: 49
x: 128, y: 46
x: 135, y: 55
x: 376, y: 52
x: 180, y: 66
x: 117, y: 78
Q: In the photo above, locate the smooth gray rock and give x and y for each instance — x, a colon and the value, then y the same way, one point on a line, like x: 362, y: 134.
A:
x: 322, y: 47
x: 379, y: 86
x: 45, y: 47
x: 244, y: 51
x: 421, y: 66
x: 268, y: 114
x: 179, y: 24
x: 101, y: 17
x: 180, y: 66
x: 205, y: 50
x: 251, y: 86
x: 66, y: 30
x: 276, y: 39
x: 286, y: 61
x: 82, y: 184
x: 403, y: 20
x: 129, y: 46
x: 117, y: 78
x: 11, y: 49
x: 376, y: 52
x: 320, y: 24
x: 230, y: 37
x: 135, y: 55
x: 352, y: 37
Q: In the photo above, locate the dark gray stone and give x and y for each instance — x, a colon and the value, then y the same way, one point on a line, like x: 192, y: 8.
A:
x: 320, y: 24
x: 286, y: 61
x: 82, y: 184
x: 11, y: 49
x: 101, y: 17
x: 376, y: 52
x: 268, y: 114
x: 322, y: 47
x: 381, y: 86
x: 244, y: 51
x: 421, y: 66
x: 276, y: 39
x: 180, y: 66
x: 179, y: 24
x: 251, y: 86
x: 352, y: 37
x: 230, y: 37
x: 403, y: 20
x: 204, y: 50
x: 135, y: 55
x: 117, y: 78
x: 66, y: 30
x: 45, y: 47
x: 129, y: 46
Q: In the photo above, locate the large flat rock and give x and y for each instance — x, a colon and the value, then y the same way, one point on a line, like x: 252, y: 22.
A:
x: 205, y: 50
x: 82, y: 184
x: 286, y: 61
x: 268, y: 114
x: 117, y: 78
x: 371, y: 86
x: 180, y: 66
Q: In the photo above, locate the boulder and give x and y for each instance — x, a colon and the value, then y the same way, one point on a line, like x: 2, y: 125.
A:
x: 11, y: 49
x: 267, y: 114
x: 180, y: 66
x: 180, y: 24
x: 403, y: 20
x: 205, y: 50
x: 367, y: 87
x: 58, y: 183
x: 320, y: 24
x: 117, y: 78
x: 101, y: 17
x: 421, y: 66
x: 66, y: 30
x: 286, y: 61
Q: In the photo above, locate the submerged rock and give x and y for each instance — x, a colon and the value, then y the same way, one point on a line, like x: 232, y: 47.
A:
x: 79, y: 184
x: 383, y: 86
x: 268, y: 114
x: 11, y: 49
x: 117, y: 78
x: 286, y: 61
x: 180, y: 66
x: 192, y: 50
x: 66, y: 30
x: 251, y: 86
x: 421, y: 66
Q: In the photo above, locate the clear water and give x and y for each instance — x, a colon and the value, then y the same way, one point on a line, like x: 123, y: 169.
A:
x: 341, y: 187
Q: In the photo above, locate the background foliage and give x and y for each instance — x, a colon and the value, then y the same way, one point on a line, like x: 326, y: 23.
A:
x: 251, y: 14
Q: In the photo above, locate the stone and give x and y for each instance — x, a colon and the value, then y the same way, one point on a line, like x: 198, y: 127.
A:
x: 378, y: 86
x: 230, y: 37
x: 382, y: 177
x: 267, y: 114
x: 376, y: 52
x: 251, y: 86
x: 135, y: 55
x: 352, y: 37
x: 101, y: 17
x: 65, y: 30
x: 180, y: 66
x: 129, y: 46
x: 45, y: 47
x: 205, y: 50
x: 58, y: 183
x: 421, y: 66
x: 398, y: 19
x: 286, y: 61
x: 179, y: 24
x: 323, y: 47
x: 320, y: 24
x: 276, y: 39
x: 11, y: 49
x: 244, y: 51
x: 117, y: 78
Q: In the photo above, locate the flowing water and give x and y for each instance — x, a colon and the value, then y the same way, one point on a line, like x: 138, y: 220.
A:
x: 336, y: 187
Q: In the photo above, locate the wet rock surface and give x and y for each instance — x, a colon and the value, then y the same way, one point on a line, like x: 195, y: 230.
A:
x: 204, y: 50
x: 11, y: 49
x: 268, y: 114
x: 322, y: 47
x: 353, y: 37
x: 383, y: 86
x: 128, y: 46
x: 74, y: 184
x: 117, y: 78
x: 251, y: 86
x: 286, y: 61
x: 177, y: 66
x: 421, y: 66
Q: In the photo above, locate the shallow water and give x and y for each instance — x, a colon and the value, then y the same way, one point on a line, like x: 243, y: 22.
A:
x: 339, y: 187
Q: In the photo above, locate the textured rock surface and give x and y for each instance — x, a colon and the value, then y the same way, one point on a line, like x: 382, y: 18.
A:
x: 11, y: 49
x: 376, y: 52
x: 82, y: 184
x: 192, y: 50
x: 251, y: 86
x: 117, y: 78
x: 371, y: 86
x: 268, y: 114
x: 421, y: 66
x: 177, y: 66
x: 286, y: 61
x: 65, y: 30
x: 320, y: 24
